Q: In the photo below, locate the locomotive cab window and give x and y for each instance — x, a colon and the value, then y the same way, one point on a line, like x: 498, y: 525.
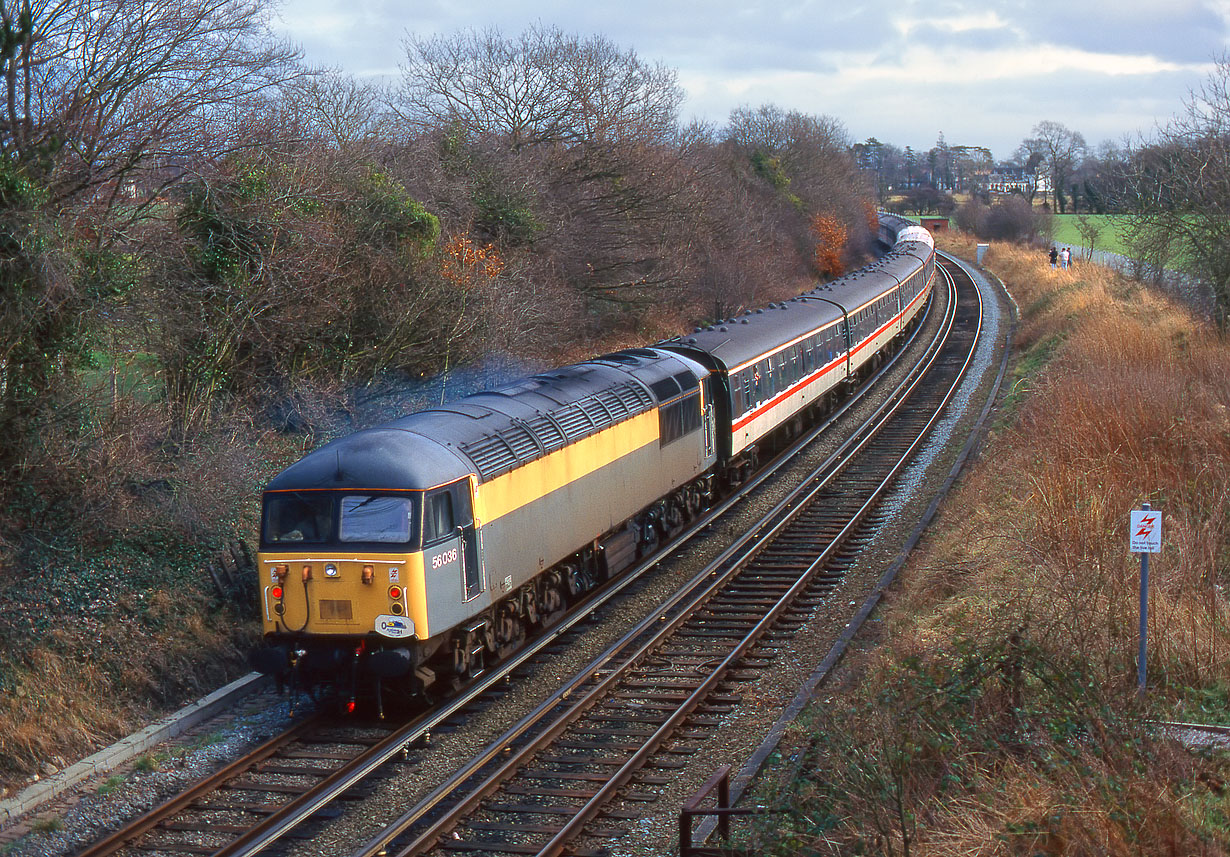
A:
x: 298, y: 518
x: 438, y: 519
x: 327, y: 517
x: 679, y: 418
x: 385, y: 519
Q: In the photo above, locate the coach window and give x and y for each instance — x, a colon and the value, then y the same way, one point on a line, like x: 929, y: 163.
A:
x: 438, y: 520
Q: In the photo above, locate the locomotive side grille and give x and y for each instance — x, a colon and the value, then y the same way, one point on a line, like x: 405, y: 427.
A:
x: 635, y: 397
x: 594, y: 409
x: 547, y: 432
x: 574, y: 421
x: 522, y: 443
x: 618, y: 407
x: 491, y: 455
x: 526, y: 441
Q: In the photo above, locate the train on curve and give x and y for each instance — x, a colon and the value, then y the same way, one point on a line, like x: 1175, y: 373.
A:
x: 421, y: 549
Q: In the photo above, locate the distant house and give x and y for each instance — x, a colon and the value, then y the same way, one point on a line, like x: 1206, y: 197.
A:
x: 1009, y: 178
x: 1006, y: 178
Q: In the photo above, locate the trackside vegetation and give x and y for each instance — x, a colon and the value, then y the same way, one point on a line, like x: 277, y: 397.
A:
x: 215, y: 259
x: 1000, y: 714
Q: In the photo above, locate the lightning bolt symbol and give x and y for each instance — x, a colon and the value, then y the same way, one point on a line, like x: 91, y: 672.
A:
x: 1146, y: 525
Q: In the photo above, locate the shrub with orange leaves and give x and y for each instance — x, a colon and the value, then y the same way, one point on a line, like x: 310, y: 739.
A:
x: 465, y: 264
x: 873, y: 217
x: 830, y: 234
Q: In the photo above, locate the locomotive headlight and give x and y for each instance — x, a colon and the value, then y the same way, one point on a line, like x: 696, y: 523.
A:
x: 330, y: 570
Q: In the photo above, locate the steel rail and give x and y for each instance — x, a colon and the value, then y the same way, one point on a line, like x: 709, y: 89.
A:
x: 118, y: 840
x: 294, y: 813
x: 751, y: 543
x: 606, y: 793
x: 280, y: 822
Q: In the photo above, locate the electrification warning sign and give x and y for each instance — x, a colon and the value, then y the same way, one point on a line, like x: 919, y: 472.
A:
x: 1146, y: 533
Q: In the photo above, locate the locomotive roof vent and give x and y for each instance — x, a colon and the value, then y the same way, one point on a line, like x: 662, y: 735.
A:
x: 621, y: 357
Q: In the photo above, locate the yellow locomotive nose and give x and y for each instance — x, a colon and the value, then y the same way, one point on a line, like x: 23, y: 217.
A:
x: 338, y: 595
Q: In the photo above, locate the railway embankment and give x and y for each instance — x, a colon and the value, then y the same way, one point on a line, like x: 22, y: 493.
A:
x: 1000, y: 709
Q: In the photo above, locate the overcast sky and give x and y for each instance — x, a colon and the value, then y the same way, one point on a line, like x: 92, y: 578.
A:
x: 981, y: 73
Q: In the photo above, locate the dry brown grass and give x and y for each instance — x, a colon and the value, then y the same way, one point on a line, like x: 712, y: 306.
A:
x: 74, y: 693
x: 1131, y: 406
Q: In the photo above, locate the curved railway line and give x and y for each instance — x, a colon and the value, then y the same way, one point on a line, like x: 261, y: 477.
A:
x: 570, y: 775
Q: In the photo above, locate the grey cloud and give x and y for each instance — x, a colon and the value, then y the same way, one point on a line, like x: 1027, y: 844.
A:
x: 981, y: 38
x: 1174, y: 32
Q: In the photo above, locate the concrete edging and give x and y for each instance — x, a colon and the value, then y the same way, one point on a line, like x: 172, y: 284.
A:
x: 127, y: 749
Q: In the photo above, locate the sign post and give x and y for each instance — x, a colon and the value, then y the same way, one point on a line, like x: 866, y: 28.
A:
x: 1144, y: 538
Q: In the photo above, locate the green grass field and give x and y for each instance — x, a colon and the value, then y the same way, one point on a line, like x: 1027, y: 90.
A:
x: 1066, y: 234
x: 1109, y: 238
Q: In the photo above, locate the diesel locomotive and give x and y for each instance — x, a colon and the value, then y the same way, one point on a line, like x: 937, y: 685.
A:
x: 421, y: 549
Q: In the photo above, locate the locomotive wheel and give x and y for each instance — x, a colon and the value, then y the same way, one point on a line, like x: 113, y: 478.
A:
x: 691, y: 502
x: 509, y: 632
x: 672, y: 521
x: 552, y: 601
x: 468, y: 651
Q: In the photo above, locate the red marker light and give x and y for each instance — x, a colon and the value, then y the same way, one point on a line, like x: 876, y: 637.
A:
x: 276, y: 592
x: 395, y: 592
x: 350, y: 707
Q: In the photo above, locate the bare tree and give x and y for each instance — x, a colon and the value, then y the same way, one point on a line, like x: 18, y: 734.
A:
x: 566, y: 143
x: 1182, y: 192
x: 1090, y: 230
x: 104, y: 103
x: 543, y: 86
x: 96, y: 90
x: 338, y: 110
x: 1059, y: 150
x: 808, y: 158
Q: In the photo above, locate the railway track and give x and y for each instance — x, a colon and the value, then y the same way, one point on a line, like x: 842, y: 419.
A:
x: 570, y: 772
x: 622, y: 725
